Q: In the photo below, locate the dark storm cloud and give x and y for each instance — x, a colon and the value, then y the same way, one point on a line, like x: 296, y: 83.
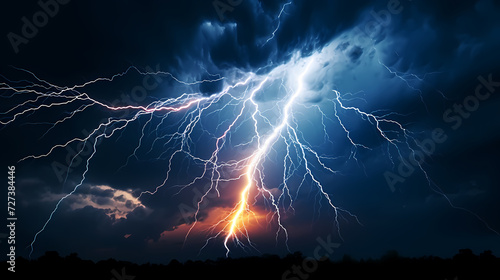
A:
x: 458, y: 40
x: 242, y: 40
x: 173, y: 33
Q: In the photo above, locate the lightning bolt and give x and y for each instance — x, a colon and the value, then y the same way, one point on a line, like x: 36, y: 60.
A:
x: 234, y: 225
x: 177, y: 122
x: 237, y: 221
x: 278, y: 19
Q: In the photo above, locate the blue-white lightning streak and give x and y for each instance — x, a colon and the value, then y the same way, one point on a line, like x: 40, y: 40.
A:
x: 271, y: 129
x: 278, y: 19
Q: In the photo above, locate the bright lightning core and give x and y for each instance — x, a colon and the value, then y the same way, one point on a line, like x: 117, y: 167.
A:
x: 256, y: 129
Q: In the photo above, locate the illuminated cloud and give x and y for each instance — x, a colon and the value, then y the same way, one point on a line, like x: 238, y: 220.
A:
x: 116, y: 203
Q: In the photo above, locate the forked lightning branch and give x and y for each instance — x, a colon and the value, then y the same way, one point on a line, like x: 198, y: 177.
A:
x: 264, y: 129
x: 273, y: 127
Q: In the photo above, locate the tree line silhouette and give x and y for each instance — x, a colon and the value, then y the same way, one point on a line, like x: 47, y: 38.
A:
x: 464, y: 265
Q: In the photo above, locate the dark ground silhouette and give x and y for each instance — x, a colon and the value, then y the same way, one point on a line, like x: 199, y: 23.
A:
x: 464, y: 265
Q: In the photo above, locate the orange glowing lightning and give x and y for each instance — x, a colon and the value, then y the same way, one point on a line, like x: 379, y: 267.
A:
x: 237, y: 222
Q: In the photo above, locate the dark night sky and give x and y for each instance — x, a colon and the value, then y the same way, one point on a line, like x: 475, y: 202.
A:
x: 440, y: 51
